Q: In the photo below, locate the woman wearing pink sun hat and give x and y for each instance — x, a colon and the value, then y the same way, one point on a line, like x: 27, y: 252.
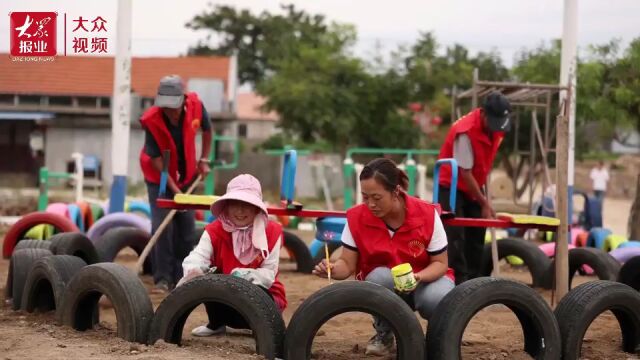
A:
x: 241, y: 241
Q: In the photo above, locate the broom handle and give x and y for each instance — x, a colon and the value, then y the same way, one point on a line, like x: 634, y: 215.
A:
x: 163, y: 225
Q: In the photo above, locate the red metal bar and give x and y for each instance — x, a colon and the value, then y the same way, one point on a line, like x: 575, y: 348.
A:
x: 468, y: 222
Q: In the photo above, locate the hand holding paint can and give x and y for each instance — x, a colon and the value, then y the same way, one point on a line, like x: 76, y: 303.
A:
x: 403, y: 278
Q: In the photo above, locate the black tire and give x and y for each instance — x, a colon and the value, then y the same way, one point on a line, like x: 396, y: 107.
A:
x: 45, y: 286
x: 300, y: 251
x: 531, y: 255
x: 347, y: 296
x: 630, y: 273
x: 451, y: 316
x: 250, y: 301
x: 19, y: 266
x: 577, y: 310
x: 130, y: 301
x: 75, y: 244
x: 605, y: 266
x: 33, y: 244
x: 333, y: 246
x: 114, y: 240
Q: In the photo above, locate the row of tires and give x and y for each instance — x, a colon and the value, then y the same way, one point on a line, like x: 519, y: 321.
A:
x: 136, y: 236
x: 604, y: 265
x: 67, y: 285
x: 61, y: 224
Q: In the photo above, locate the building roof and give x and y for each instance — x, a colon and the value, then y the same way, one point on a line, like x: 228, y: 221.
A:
x: 93, y: 75
x: 248, y: 108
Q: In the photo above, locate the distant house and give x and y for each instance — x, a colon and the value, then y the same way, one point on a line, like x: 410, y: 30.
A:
x: 254, y: 125
x: 50, y: 109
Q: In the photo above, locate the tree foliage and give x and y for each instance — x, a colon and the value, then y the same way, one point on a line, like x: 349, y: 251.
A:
x: 303, y: 64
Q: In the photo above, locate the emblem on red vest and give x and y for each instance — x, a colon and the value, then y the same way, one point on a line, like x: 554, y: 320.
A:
x: 195, y: 124
x: 416, y: 247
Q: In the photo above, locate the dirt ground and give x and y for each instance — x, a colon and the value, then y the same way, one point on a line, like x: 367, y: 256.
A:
x: 493, y: 333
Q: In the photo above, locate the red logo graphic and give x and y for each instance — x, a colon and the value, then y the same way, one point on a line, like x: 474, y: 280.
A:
x: 416, y: 247
x: 33, y: 33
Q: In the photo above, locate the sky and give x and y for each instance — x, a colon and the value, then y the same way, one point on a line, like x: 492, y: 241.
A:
x: 504, y: 25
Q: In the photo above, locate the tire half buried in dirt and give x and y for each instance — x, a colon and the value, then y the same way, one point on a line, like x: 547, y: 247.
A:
x: 457, y: 308
x: 47, y: 281
x: 19, y: 266
x: 531, y: 255
x: 114, y: 240
x: 300, y: 252
x: 119, y: 219
x: 128, y: 295
x: 348, y: 296
x: 577, y: 310
x: 630, y: 273
x: 76, y: 244
x: 250, y: 301
x: 16, y: 231
x: 605, y: 266
x: 33, y: 244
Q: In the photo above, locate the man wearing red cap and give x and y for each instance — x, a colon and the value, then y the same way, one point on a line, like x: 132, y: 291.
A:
x: 473, y: 141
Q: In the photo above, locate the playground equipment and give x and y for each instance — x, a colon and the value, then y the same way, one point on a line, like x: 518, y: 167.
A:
x: 218, y: 164
x: 351, y: 171
x: 526, y: 99
x: 289, y: 207
x: 46, y: 176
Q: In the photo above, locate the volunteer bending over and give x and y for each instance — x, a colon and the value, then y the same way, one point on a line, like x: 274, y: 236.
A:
x: 391, y: 228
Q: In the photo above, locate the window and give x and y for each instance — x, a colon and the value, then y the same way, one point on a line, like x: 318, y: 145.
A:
x: 242, y: 131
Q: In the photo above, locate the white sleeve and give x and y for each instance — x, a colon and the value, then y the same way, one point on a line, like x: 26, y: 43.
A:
x: 200, y: 256
x: 438, y: 243
x: 463, y: 152
x: 265, y: 275
x: 347, y: 238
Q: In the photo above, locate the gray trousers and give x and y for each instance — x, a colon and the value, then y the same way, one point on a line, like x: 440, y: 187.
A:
x: 174, y: 244
x: 425, y: 297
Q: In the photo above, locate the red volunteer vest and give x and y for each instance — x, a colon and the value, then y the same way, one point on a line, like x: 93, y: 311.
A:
x: 153, y: 121
x: 225, y: 260
x: 409, y: 244
x: 484, y: 150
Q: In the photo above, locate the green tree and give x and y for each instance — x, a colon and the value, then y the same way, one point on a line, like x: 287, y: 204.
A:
x: 315, y: 94
x: 261, y: 40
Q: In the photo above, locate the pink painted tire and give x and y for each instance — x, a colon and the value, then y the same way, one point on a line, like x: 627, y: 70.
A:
x: 58, y: 208
x: 549, y: 249
x: 575, y: 232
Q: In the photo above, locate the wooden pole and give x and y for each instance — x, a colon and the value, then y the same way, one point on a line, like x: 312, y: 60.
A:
x: 562, y: 179
x: 163, y: 225
x: 495, y: 260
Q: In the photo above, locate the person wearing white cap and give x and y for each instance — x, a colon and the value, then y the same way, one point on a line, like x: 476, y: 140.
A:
x: 171, y: 124
x: 241, y: 242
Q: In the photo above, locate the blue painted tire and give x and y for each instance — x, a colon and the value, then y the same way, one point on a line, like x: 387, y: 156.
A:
x: 597, y: 237
x: 140, y: 207
x: 76, y: 216
x: 629, y: 244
